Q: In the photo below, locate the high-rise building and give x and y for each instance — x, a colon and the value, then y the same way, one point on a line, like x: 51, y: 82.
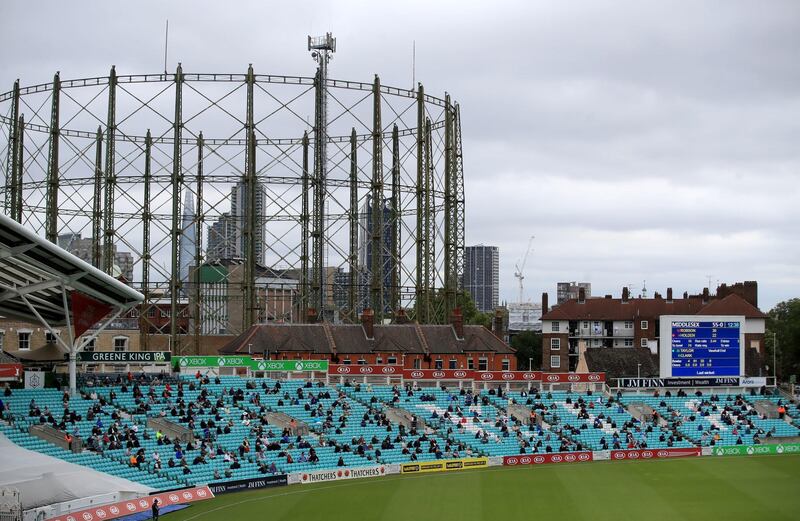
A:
x: 365, y: 253
x: 82, y: 248
x: 239, y: 200
x: 188, y: 240
x: 482, y: 275
x: 569, y: 290
x: 222, y: 239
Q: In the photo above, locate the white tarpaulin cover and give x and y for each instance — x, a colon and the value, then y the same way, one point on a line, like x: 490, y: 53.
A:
x: 43, y: 480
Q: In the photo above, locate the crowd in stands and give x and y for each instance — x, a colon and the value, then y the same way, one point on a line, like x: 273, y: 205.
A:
x: 235, y: 434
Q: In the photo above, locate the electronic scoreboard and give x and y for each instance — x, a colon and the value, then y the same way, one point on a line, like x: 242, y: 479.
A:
x: 695, y: 346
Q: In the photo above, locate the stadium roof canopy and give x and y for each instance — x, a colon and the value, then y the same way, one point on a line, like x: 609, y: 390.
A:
x: 36, y: 276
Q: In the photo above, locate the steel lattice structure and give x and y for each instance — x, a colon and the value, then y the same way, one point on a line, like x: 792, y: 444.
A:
x: 144, y: 162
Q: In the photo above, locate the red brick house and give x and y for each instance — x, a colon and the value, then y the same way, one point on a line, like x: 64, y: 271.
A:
x: 626, y: 322
x: 413, y: 346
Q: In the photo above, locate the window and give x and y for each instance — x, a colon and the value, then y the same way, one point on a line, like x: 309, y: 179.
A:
x: 628, y: 342
x: 585, y: 325
x: 438, y: 364
x: 643, y: 342
x: 89, y: 347
x: 644, y: 324
x: 151, y: 312
x: 391, y: 360
x: 506, y: 364
x: 452, y: 364
x: 556, y: 326
x: 555, y: 362
x: 470, y: 364
x: 49, y: 338
x: 164, y: 313
x: 629, y: 324
x: 24, y: 338
x: 483, y: 364
x: 417, y: 363
x: 120, y: 343
x: 2, y: 339
x: 555, y: 344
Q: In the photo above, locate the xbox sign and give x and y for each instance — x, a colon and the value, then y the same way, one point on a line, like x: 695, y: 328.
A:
x: 290, y: 365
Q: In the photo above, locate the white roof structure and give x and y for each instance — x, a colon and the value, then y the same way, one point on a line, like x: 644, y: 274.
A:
x: 44, y: 480
x: 40, y: 272
x: 37, y: 278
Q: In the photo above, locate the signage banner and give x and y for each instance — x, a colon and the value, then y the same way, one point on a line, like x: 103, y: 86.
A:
x: 753, y: 381
x: 134, y: 506
x: 438, y: 374
x: 212, y: 361
x: 124, y: 357
x: 365, y: 370
x: 571, y: 378
x: 343, y: 473
x: 10, y: 371
x: 278, y: 480
x: 34, y: 380
x: 509, y: 376
x: 444, y: 465
x: 548, y: 457
x: 289, y: 365
x: 750, y: 450
x: 655, y: 453
x: 650, y: 383
x: 86, y: 312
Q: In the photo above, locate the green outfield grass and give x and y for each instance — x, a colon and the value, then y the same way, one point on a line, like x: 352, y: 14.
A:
x: 709, y: 489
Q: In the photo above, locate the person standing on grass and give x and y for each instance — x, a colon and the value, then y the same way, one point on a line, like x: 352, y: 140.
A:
x: 154, y: 508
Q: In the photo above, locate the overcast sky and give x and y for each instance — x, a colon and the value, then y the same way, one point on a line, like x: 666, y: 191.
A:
x: 655, y: 141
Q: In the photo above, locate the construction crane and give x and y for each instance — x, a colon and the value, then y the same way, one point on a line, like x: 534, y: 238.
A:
x: 520, y: 268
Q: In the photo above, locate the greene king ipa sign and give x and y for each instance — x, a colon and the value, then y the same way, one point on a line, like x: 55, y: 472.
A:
x: 124, y: 357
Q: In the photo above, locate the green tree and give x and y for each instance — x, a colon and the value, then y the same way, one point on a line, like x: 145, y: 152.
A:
x: 783, y: 328
x: 529, y: 346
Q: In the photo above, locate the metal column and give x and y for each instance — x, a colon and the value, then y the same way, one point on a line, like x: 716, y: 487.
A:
x: 177, y: 189
x: 304, y: 293
x: 146, y: 218
x: 97, y: 202
x: 459, y: 200
x: 376, y: 269
x: 352, y: 290
x: 420, y: 239
x: 249, y: 228
x: 318, y: 231
x: 430, y: 253
x: 19, y: 170
x: 51, y: 220
x: 198, y: 250
x: 13, y: 158
x: 449, y: 218
x: 110, y: 175
x: 395, y: 255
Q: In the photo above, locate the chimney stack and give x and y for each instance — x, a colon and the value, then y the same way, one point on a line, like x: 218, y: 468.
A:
x: 311, y: 315
x: 497, y: 324
x: 625, y: 295
x: 705, y: 295
x: 685, y: 295
x: 401, y: 317
x: 457, y: 320
x: 368, y: 323
x: 669, y: 295
x: 544, y: 303
x: 581, y: 295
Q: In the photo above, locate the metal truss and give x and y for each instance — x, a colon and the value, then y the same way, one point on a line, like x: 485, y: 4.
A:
x: 116, y: 158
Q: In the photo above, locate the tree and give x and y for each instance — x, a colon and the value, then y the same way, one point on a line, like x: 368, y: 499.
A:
x: 528, y: 345
x: 783, y: 327
x: 472, y: 316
